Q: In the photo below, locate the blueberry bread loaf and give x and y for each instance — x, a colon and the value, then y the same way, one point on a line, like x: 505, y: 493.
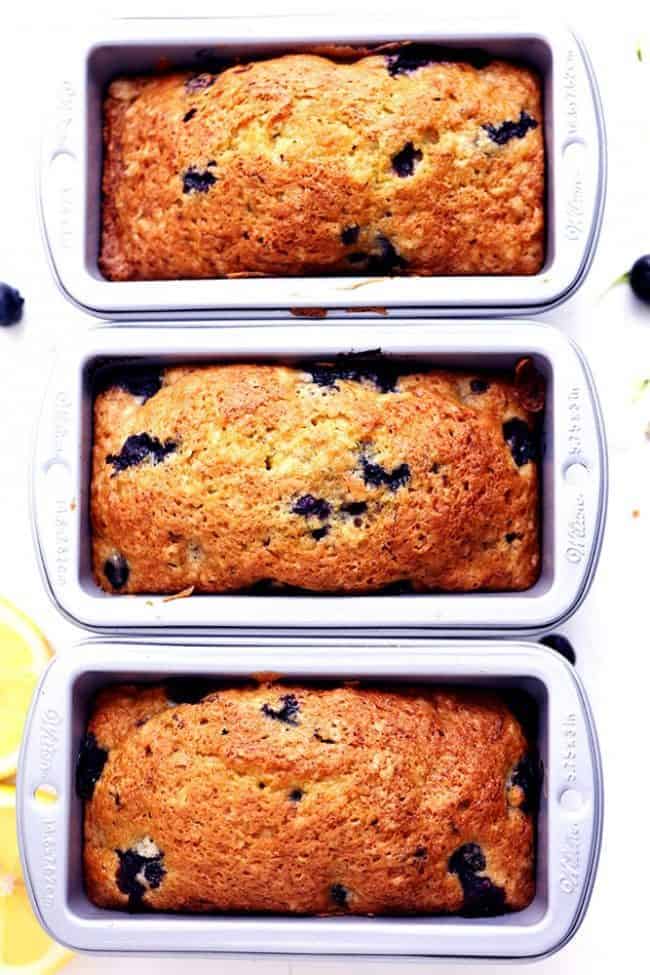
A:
x: 309, y: 801
x: 340, y: 477
x: 395, y: 163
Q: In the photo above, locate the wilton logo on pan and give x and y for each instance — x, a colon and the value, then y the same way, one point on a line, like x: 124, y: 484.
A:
x: 48, y: 739
x: 571, y: 860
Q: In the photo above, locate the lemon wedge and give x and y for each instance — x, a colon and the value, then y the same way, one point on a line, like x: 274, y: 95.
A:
x: 25, y: 949
x: 24, y: 652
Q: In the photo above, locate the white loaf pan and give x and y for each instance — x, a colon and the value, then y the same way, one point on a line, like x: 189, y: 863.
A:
x: 569, y: 821
x: 573, y: 472
x: 70, y: 170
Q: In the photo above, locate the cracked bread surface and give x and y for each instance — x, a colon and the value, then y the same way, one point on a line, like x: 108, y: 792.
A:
x: 307, y: 165
x: 295, y: 799
x: 331, y: 479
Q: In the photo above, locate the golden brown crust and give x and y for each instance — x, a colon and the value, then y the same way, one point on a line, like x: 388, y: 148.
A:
x: 218, y: 512
x: 299, y: 148
x: 355, y: 805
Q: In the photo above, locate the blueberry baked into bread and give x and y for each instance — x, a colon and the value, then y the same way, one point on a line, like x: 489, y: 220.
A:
x: 402, y: 162
x: 341, y: 477
x: 302, y: 800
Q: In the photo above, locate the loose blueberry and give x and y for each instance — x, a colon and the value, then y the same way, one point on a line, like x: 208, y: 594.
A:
x: 482, y: 898
x: 640, y: 278
x: 189, y: 115
x: 11, y: 305
x: 378, y: 476
x: 116, y: 570
x: 199, y: 82
x: 138, y: 448
x: 403, y: 162
x: 510, y: 130
x: 339, y: 895
x: 479, y: 385
x: 136, y: 874
x: 560, y: 643
x: 296, y: 795
x: 319, y: 533
x: 308, y: 505
x: 527, y: 776
x: 287, y: 712
x: 195, y: 181
x: 354, y: 507
x: 188, y: 690
x: 350, y: 235
x: 90, y: 765
x: 519, y: 437
x: 413, y: 56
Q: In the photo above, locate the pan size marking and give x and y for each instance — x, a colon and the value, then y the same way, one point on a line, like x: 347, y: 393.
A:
x: 48, y: 867
x: 570, y: 90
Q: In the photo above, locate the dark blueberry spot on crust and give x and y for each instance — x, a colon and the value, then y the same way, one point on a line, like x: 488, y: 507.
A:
x: 132, y: 869
x: 413, y: 56
x: 479, y: 385
x: 511, y: 536
x: 319, y: 533
x: 357, y: 367
x: 188, y: 690
x: 199, y: 82
x: 189, y: 115
x: 325, y: 741
x: 339, y: 895
x: 287, y: 712
x: 527, y: 775
x: 357, y: 257
x: 400, y: 588
x: 403, y: 162
x: 378, y: 476
x: 142, y: 381
x: 11, y: 305
x: 211, y: 162
x: 519, y: 437
x: 116, y: 570
x: 354, y: 507
x: 482, y: 898
x: 387, y: 260
x: 195, y: 181
x: 510, y: 130
x: 420, y: 853
x: 138, y: 448
x: 560, y: 644
x: 90, y: 765
x: 350, y: 235
x: 296, y: 795
x: 309, y: 505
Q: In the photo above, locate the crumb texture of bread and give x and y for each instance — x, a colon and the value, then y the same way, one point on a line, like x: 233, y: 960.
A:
x: 304, y: 165
x: 346, y: 477
x: 305, y: 800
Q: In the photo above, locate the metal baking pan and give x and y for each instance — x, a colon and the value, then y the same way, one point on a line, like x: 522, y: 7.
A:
x: 71, y: 163
x: 569, y: 820
x: 573, y: 473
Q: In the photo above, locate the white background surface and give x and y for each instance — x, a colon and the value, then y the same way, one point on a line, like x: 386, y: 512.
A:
x: 608, y: 632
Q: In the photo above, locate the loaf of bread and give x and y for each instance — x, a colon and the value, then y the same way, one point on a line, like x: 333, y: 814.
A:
x: 282, y: 798
x: 343, y: 477
x: 395, y: 163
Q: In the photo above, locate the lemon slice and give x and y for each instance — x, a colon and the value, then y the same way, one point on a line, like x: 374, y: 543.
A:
x: 25, y: 949
x: 24, y: 652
